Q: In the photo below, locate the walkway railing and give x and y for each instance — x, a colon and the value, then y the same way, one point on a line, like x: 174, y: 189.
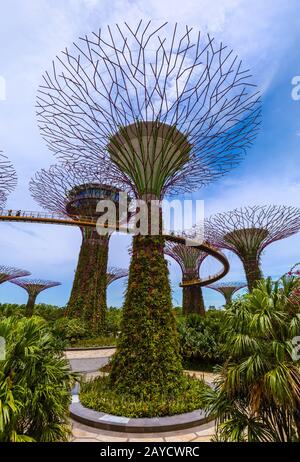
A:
x: 60, y: 219
x: 45, y: 217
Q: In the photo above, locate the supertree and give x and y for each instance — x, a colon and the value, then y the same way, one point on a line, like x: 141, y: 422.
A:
x: 249, y: 230
x: 33, y: 287
x: 8, y: 179
x: 74, y: 191
x: 113, y: 274
x: 190, y: 260
x: 7, y: 273
x: 172, y: 110
x: 227, y: 289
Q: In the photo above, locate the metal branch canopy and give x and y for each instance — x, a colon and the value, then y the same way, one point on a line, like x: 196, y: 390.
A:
x: 35, y: 286
x: 61, y: 188
x: 8, y: 272
x: 113, y: 274
x: 247, y: 231
x: 171, y: 108
x: 227, y: 289
x: 242, y: 230
x: 8, y: 178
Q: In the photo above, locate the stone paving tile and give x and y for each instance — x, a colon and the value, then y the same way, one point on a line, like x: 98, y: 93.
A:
x: 182, y: 437
x: 111, y: 439
x: 146, y: 440
x: 87, y: 364
x: 81, y: 433
x: 89, y: 354
x: 85, y: 440
x: 203, y: 439
x: 208, y: 431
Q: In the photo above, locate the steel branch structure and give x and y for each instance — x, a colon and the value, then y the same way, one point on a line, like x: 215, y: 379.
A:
x: 113, y: 274
x: 248, y: 231
x: 33, y: 287
x: 190, y: 260
x: 227, y: 289
x: 174, y: 109
x: 8, y: 178
x: 171, y: 110
x: 7, y: 273
x: 74, y: 191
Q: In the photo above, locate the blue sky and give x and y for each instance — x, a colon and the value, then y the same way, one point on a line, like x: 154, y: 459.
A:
x: 265, y: 34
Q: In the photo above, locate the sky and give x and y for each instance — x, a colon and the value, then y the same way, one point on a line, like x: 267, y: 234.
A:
x: 265, y: 35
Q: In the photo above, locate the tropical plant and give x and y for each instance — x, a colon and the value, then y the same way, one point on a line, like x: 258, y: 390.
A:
x: 48, y: 312
x: 113, y: 321
x: 70, y: 330
x: 201, y: 339
x: 257, y: 394
x: 35, y: 383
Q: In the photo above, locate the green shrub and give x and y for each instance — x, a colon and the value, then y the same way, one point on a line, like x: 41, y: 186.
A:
x: 70, y: 330
x: 11, y: 309
x: 113, y: 321
x: 99, y: 395
x: 201, y: 338
x: 100, y: 341
x: 48, y: 312
x: 35, y: 383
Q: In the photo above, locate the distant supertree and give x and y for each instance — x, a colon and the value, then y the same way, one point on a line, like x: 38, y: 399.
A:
x: 33, y: 287
x: 190, y: 260
x: 74, y: 191
x: 113, y: 274
x: 248, y: 231
x: 172, y: 110
x: 7, y: 273
x: 8, y: 179
x: 227, y: 289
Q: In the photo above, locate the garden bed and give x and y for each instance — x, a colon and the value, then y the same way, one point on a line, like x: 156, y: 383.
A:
x: 99, y: 396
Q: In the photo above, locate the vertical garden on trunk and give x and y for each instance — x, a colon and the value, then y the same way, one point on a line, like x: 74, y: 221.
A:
x: 74, y: 191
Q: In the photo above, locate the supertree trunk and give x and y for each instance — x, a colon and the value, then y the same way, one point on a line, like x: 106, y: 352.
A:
x: 192, y: 300
x: 88, y: 296
x: 30, y: 305
x: 253, y: 270
x: 228, y: 299
x: 147, y: 358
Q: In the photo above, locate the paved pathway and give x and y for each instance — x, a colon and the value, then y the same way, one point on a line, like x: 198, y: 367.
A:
x: 89, y: 361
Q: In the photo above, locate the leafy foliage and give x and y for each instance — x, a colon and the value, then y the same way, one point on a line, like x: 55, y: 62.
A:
x: 257, y: 395
x: 35, y: 383
x: 201, y: 339
x: 70, y: 330
x: 99, y: 395
x: 48, y: 312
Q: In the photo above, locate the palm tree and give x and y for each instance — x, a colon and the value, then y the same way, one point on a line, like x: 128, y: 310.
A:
x: 35, y: 383
x: 257, y: 394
